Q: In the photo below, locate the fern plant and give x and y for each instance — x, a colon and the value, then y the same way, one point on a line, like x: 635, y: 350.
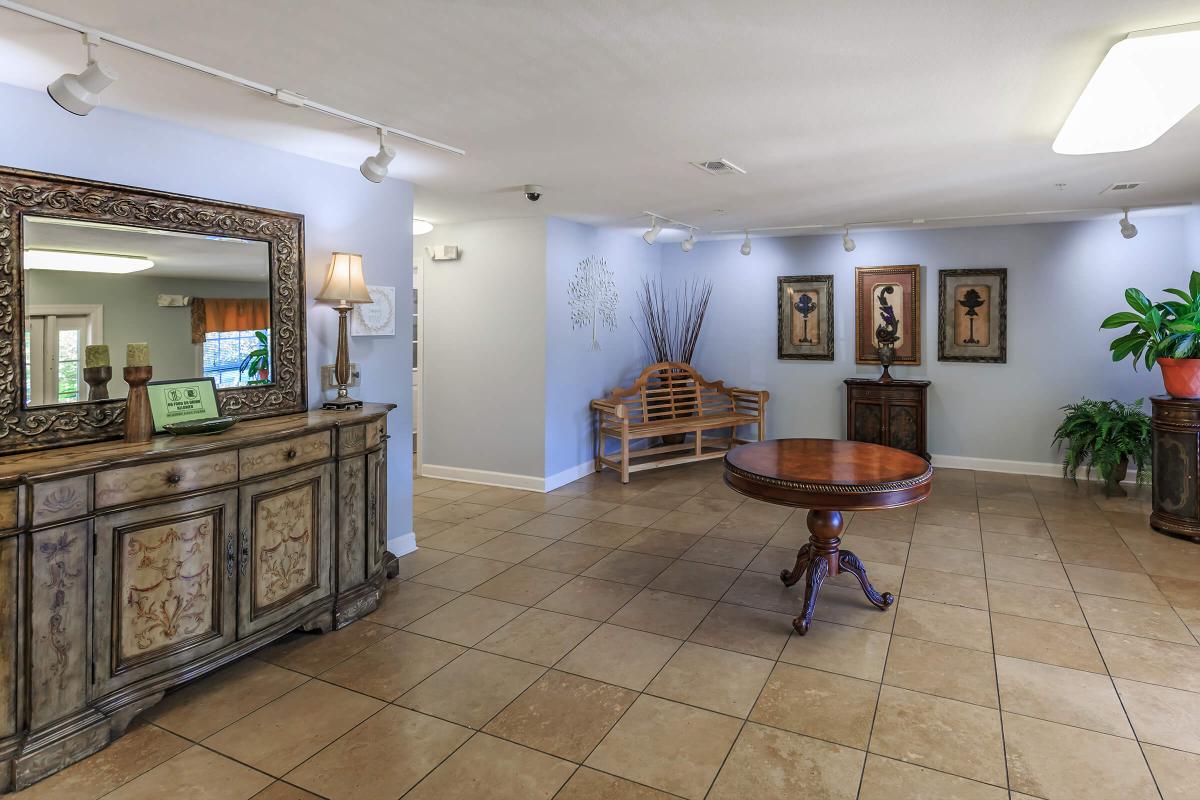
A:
x: 1100, y: 433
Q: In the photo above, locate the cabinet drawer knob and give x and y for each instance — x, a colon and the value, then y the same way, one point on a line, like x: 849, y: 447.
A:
x: 174, y: 478
x: 291, y: 454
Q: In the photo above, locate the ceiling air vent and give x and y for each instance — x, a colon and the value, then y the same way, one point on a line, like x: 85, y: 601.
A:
x: 1122, y: 187
x: 719, y: 167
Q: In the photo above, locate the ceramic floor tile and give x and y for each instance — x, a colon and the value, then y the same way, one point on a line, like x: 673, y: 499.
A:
x: 742, y: 530
x: 1022, y: 526
x: 1030, y: 571
x: 603, y: 534
x: 666, y: 613
x: 542, y: 637
x: 946, y: 536
x: 420, y: 560
x: 284, y: 733
x: 462, y: 537
x: 562, y: 714
x: 279, y: 790
x: 699, y: 580
x: 589, y: 784
x: 569, y: 557
x: 938, y: 622
x: 195, y: 773
x: 381, y: 758
x: 465, y: 620
x: 882, y: 550
x: 846, y: 650
x: 1035, y: 602
x: 620, y: 656
x: 627, y: 566
x: 471, y: 689
x: 404, y: 602
x: 872, y: 527
x: 511, y: 547
x: 945, y: 587
x: 1058, y: 694
x: 702, y: 504
x: 955, y: 672
x: 632, y: 514
x: 1059, y: 762
x: 1115, y: 556
x: 202, y: 708
x: 462, y: 573
x: 1162, y: 715
x: 744, y: 630
x: 1150, y: 660
x: 1139, y: 619
x: 550, y: 526
x: 423, y: 528
x: 948, y: 517
x: 496, y: 769
x: 946, y: 559
x: 766, y: 762
x: 1047, y: 642
x: 668, y: 746
x: 498, y: 496
x: 661, y: 543
x: 1041, y: 548
x: 1177, y: 773
x: 589, y: 597
x: 390, y: 668
x: 142, y: 748
x: 722, y: 552
x: 535, y: 501
x: 942, y: 734
x: 313, y: 653
x: 708, y: 677
x: 850, y: 607
x: 683, y: 522
x: 835, y: 708
x: 503, y: 519
x: 585, y: 509
x: 888, y: 779
x: 522, y: 584
x: 1114, y: 583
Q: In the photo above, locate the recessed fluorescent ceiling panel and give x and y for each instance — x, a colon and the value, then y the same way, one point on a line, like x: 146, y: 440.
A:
x: 85, y: 262
x: 1146, y: 83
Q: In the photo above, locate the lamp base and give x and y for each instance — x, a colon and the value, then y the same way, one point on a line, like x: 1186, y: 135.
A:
x: 342, y: 404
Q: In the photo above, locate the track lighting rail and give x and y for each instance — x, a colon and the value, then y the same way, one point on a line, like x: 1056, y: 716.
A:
x: 282, y: 95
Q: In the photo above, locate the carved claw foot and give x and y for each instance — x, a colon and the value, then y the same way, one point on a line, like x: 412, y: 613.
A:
x: 818, y: 569
x: 791, y: 577
x: 848, y: 562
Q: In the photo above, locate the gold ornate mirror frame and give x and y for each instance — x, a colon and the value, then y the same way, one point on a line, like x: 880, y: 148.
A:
x: 23, y: 192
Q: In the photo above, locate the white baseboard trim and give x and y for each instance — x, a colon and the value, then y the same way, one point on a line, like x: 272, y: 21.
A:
x: 508, y: 480
x: 1042, y: 468
x: 569, y: 475
x: 405, y: 543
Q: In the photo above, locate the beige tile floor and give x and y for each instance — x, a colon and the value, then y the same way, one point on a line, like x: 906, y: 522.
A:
x: 609, y: 641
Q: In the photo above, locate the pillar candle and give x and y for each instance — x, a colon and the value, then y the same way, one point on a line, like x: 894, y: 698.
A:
x: 96, y: 355
x: 137, y: 354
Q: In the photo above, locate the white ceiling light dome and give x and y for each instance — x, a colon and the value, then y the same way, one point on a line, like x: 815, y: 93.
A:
x: 745, y: 248
x: 80, y: 93
x: 375, y: 168
x: 421, y: 226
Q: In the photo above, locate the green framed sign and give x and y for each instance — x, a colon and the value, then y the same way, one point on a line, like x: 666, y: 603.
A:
x: 182, y: 401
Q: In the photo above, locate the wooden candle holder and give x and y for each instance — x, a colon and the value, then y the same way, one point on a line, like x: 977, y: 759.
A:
x: 97, y: 379
x: 139, y: 425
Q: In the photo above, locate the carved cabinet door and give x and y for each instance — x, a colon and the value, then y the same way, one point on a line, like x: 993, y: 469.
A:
x: 286, y: 546
x: 867, y: 421
x: 164, y: 587
x: 376, y: 508
x: 904, y: 426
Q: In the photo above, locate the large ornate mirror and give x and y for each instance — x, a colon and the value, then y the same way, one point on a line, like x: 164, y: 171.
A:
x: 213, y: 289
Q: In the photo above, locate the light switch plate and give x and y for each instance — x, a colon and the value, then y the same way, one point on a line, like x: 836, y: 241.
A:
x: 328, y: 381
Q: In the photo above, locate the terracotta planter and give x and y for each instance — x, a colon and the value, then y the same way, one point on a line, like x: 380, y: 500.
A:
x: 1181, y: 377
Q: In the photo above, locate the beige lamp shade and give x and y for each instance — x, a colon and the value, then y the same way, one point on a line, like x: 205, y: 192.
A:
x: 344, y: 284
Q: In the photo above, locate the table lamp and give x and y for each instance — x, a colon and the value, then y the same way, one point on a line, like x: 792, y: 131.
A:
x: 345, y: 288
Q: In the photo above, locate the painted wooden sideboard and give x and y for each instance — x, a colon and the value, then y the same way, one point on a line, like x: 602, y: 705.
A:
x: 127, y: 569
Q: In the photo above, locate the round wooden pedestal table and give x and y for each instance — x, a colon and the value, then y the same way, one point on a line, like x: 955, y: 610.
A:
x: 828, y: 476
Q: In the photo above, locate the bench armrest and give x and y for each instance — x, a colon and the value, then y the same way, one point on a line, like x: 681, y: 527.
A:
x: 760, y: 396
x: 608, y: 407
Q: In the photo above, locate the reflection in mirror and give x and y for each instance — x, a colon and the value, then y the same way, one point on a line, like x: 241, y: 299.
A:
x: 201, y: 303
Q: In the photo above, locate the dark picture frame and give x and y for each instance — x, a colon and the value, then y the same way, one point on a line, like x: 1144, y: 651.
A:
x: 807, y: 301
x: 900, y: 288
x: 973, y: 315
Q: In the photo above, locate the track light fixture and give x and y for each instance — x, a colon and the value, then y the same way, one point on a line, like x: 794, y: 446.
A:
x: 80, y: 93
x: 1128, y: 229
x: 847, y: 243
x: 745, y: 249
x: 375, y: 168
x: 655, y: 229
x: 690, y: 242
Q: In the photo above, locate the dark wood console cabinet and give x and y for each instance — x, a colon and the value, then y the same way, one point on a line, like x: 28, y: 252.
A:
x: 128, y: 569
x: 892, y: 414
x: 1176, y: 426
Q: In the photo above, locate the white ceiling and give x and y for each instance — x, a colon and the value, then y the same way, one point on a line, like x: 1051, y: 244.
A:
x: 839, y: 112
x: 175, y: 254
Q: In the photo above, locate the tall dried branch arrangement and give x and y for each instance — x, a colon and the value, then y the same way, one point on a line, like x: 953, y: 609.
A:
x: 671, y: 321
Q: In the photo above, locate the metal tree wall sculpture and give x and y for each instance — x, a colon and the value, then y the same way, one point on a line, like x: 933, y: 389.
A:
x: 593, y: 293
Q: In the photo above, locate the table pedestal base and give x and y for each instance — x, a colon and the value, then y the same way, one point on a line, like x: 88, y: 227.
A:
x: 821, y: 558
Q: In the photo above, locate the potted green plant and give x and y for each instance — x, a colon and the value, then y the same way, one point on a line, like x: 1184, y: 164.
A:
x: 1167, y: 332
x: 1105, y: 434
x: 257, y: 363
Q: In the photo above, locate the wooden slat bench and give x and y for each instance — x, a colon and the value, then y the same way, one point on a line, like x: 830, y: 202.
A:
x: 671, y: 400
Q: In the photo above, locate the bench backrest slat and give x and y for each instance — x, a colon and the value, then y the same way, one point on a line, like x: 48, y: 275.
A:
x: 671, y: 390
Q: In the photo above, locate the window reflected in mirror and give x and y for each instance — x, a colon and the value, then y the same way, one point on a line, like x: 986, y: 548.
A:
x: 202, y: 303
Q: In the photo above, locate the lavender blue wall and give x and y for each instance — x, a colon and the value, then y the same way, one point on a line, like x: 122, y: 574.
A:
x: 1192, y: 225
x: 575, y: 374
x: 1062, y: 280
x: 342, y: 212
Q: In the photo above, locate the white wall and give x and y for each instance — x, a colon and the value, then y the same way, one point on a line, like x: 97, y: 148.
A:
x: 484, y: 376
x: 1063, y: 279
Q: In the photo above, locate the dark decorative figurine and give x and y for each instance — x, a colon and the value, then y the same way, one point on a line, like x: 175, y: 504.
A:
x: 888, y: 332
x: 805, y: 306
x: 971, y: 301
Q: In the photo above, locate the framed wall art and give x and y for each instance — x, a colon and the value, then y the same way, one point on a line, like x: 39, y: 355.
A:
x: 973, y: 315
x: 806, y: 317
x: 887, y: 313
x: 378, y: 317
